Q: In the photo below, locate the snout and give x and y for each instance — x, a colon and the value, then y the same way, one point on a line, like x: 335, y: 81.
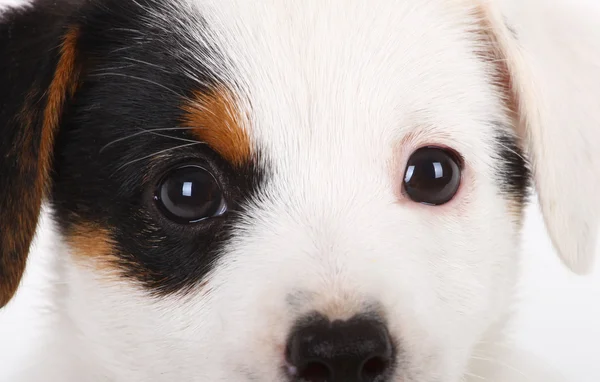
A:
x: 359, y: 349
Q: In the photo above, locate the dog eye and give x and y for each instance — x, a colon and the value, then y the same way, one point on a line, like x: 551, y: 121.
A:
x: 432, y: 176
x: 190, y: 194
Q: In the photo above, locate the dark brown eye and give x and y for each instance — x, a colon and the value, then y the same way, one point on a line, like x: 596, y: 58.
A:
x: 432, y: 176
x: 190, y: 194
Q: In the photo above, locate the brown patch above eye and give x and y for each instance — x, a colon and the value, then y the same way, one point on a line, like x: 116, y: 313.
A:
x: 216, y: 120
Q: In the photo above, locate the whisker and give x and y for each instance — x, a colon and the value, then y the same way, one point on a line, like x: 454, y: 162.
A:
x: 139, y: 79
x: 99, y: 71
x: 172, y: 137
x: 512, y: 151
x: 499, y: 363
x: 130, y: 30
x: 146, y: 63
x: 468, y: 374
x: 158, y: 153
x: 129, y: 47
x: 150, y: 131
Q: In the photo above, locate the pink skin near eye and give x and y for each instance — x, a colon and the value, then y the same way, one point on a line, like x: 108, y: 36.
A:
x: 398, y: 171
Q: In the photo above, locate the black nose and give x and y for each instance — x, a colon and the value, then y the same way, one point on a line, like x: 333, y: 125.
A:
x: 357, y: 350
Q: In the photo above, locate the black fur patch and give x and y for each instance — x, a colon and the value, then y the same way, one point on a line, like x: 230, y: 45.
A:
x: 514, y: 174
x: 30, y: 43
x: 135, y: 77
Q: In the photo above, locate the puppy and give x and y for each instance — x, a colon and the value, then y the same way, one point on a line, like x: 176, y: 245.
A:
x: 293, y: 190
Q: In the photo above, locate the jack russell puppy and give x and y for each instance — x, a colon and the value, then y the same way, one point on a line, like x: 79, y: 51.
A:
x: 293, y: 190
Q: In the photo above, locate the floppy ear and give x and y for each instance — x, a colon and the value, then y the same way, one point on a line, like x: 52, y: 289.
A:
x: 38, y: 72
x: 551, y: 49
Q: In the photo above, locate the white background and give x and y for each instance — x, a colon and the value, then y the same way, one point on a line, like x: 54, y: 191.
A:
x: 559, y: 313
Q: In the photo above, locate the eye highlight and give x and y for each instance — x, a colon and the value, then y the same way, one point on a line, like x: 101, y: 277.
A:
x: 190, y: 194
x: 432, y: 176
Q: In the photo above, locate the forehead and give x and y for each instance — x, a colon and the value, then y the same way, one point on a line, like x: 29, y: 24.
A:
x: 354, y: 73
x: 326, y: 92
x: 300, y: 74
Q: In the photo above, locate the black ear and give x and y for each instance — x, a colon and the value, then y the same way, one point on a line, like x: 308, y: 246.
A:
x: 38, y: 74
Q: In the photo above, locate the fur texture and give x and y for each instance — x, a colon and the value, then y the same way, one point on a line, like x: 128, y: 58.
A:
x: 325, y: 102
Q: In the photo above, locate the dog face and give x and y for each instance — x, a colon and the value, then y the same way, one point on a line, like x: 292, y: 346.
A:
x: 282, y: 191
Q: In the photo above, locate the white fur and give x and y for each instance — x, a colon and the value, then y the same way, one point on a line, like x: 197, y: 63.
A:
x: 335, y: 88
x: 556, y: 69
x: 5, y: 4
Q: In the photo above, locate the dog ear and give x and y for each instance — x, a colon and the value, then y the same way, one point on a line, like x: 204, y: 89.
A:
x: 38, y: 73
x: 551, y: 53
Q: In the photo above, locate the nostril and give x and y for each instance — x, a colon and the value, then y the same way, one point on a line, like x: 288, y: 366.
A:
x: 373, y: 368
x: 315, y: 372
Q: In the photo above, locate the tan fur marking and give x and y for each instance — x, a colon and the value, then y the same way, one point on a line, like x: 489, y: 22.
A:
x: 31, y: 179
x: 89, y: 240
x: 491, y: 52
x: 339, y: 305
x: 93, y: 247
x: 63, y: 84
x: 217, y: 121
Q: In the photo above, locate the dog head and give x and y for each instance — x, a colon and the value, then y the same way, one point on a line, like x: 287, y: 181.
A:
x: 291, y: 190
